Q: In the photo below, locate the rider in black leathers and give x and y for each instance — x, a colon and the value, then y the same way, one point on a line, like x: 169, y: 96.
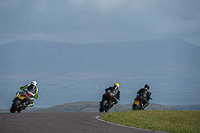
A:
x: 114, y: 90
x: 146, y: 94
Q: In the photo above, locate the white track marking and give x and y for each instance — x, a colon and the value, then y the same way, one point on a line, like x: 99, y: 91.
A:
x: 97, y: 117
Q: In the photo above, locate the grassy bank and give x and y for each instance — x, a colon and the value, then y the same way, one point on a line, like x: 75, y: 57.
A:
x: 168, y: 120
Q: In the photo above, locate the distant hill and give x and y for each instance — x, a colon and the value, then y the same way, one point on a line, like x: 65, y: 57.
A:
x: 127, y: 58
x: 68, y: 72
x: 184, y: 107
x: 88, y: 106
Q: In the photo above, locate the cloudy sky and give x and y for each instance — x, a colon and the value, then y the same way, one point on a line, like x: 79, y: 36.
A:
x: 83, y: 21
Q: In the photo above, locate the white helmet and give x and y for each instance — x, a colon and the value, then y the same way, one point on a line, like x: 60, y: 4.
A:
x: 34, y: 83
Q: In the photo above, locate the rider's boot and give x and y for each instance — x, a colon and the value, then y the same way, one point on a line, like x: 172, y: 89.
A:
x: 145, y: 105
x: 30, y: 105
x: 112, y: 104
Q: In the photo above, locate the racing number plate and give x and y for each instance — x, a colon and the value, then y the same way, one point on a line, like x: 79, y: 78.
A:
x: 136, y: 102
x: 21, y: 97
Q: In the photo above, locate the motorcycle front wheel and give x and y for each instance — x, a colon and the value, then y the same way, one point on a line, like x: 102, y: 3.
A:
x: 102, y: 105
x: 15, y: 106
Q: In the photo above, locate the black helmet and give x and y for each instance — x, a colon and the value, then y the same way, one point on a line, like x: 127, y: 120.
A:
x: 147, y: 86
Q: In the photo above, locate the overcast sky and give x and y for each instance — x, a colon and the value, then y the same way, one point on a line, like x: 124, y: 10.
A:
x: 83, y: 21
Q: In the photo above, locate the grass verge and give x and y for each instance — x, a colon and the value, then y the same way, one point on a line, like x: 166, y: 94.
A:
x: 160, y: 120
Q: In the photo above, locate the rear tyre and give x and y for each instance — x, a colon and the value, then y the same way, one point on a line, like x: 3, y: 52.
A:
x: 15, y: 106
x: 135, y: 107
x: 20, y: 108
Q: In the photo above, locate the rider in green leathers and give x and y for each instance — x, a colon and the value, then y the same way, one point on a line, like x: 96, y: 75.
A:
x: 32, y: 93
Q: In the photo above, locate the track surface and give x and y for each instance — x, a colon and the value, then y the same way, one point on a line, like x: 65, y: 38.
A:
x: 67, y: 122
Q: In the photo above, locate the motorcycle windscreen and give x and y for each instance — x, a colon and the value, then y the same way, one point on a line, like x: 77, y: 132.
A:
x: 136, y: 102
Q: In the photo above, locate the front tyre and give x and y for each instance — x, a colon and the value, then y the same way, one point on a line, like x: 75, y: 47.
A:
x: 15, y: 106
x: 102, y: 105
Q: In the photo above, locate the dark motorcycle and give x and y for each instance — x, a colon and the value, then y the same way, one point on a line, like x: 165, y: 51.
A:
x: 20, y: 101
x: 106, y: 102
x: 138, y: 103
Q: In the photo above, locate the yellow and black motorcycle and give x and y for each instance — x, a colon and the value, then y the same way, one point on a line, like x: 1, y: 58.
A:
x: 138, y: 103
x: 20, y: 101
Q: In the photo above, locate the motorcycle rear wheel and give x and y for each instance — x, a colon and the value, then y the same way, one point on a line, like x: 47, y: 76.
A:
x: 137, y: 107
x: 15, y: 106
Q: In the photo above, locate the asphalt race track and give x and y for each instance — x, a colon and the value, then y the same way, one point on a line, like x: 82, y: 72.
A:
x: 68, y: 122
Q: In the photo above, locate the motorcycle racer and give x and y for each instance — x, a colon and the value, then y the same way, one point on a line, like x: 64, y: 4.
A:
x: 115, y: 91
x: 146, y: 94
x: 33, y: 93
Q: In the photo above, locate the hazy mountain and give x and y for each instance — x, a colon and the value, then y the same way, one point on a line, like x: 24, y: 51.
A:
x: 126, y: 58
x: 69, y: 72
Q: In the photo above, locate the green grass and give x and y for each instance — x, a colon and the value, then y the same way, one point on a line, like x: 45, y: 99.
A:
x: 160, y: 120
